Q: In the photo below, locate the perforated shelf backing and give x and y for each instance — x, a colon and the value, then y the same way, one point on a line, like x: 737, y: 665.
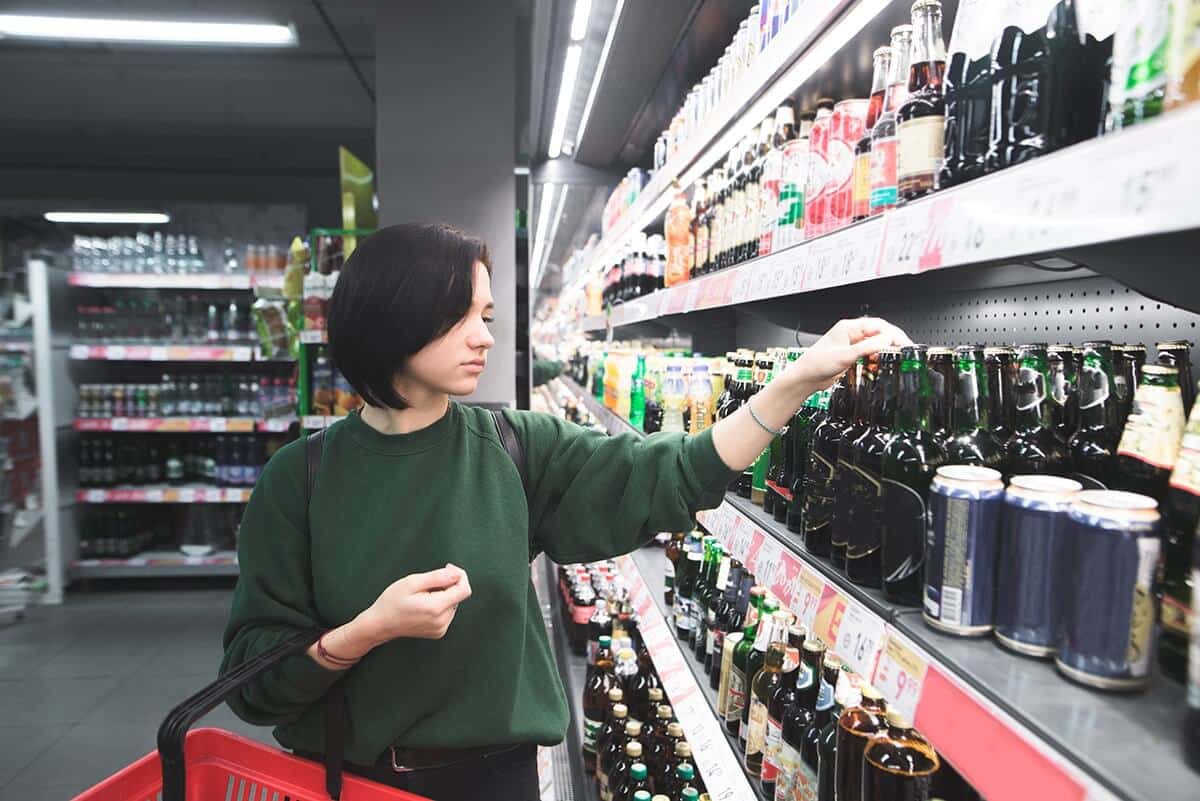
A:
x: 1072, y: 311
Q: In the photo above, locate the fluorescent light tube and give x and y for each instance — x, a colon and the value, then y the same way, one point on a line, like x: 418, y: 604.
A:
x: 543, y: 222
x: 591, y: 98
x: 94, y: 29
x: 579, y: 22
x: 109, y: 217
x: 566, y: 91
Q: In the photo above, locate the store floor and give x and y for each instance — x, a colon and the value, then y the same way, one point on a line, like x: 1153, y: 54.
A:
x: 84, y: 686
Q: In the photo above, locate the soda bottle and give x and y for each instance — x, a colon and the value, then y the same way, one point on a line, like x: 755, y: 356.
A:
x: 884, y: 193
x: 1139, y: 76
x: 861, y: 195
x: 637, y: 396
x: 680, y: 247
x: 816, y: 203
x: 700, y: 391
x: 920, y: 120
x: 674, y: 399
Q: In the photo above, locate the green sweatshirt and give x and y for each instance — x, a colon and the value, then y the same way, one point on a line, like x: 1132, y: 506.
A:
x: 389, y: 505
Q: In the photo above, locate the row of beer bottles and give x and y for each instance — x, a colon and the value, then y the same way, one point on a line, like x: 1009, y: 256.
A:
x: 775, y: 690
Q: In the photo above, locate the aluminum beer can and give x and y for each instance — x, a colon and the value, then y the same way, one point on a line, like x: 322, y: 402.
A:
x: 846, y: 127
x: 1106, y: 636
x: 1032, y: 528
x: 960, y: 549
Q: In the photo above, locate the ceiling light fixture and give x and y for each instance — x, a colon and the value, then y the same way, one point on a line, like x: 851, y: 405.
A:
x: 109, y: 217
x: 543, y: 222
x: 558, y: 215
x: 95, y: 29
x: 579, y: 21
x: 566, y: 91
x: 592, y: 92
x: 520, y: 170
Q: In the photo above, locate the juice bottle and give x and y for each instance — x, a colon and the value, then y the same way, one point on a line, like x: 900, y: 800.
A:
x: 674, y: 393
x: 700, y: 393
x: 680, y: 244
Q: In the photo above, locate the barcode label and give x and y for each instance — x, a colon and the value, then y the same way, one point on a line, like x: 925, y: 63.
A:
x: 952, y: 606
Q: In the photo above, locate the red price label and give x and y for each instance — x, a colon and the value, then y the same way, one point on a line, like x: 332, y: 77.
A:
x: 940, y: 222
x: 786, y: 582
x: 830, y: 609
x: 806, y: 597
x: 755, y: 545
x: 900, y: 675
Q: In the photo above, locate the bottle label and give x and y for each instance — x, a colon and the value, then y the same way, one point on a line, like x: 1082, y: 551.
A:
x: 591, y: 728
x: 804, y: 787
x: 861, y: 197
x: 737, y: 695
x: 1154, y: 427
x: 1193, y: 693
x: 771, y: 748
x: 701, y: 245
x: 684, y: 618
x: 786, y: 764
x: 1186, y: 475
x: 756, y: 734
x: 1176, y: 616
x: 582, y: 614
x: 920, y: 151
x: 1141, y: 616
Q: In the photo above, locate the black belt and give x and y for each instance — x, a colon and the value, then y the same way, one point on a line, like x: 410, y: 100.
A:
x: 396, y: 763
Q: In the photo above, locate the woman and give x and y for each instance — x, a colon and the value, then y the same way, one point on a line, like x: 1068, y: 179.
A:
x: 414, y: 550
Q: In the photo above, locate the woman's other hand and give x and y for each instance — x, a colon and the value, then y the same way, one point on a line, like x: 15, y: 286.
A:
x: 420, y: 605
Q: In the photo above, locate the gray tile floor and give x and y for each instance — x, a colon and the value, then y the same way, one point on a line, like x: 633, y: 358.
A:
x: 84, y: 686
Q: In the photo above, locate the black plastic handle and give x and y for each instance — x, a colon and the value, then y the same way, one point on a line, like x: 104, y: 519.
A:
x: 174, y: 729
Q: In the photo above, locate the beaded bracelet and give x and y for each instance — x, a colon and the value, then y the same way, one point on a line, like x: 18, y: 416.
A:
x: 775, y: 432
x: 330, y: 658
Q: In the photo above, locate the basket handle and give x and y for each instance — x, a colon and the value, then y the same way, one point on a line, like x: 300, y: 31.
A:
x: 174, y: 729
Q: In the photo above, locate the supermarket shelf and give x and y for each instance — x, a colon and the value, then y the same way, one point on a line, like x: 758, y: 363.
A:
x: 24, y: 524
x: 1033, y: 733
x: 613, y: 423
x: 650, y: 568
x: 1087, y: 194
x: 181, y: 425
x: 164, y: 494
x: 162, y: 353
x: 157, y: 564
x: 315, y: 337
x: 187, y: 281
x: 16, y: 346
x: 315, y: 422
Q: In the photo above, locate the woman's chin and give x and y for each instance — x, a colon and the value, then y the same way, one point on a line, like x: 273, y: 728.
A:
x: 464, y: 386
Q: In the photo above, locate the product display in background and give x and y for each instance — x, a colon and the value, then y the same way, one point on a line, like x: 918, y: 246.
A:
x: 107, y: 533
x: 257, y: 395
x: 122, y: 460
x: 173, y: 254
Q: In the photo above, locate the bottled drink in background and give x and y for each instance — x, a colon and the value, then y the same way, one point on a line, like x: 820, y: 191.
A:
x: 1139, y: 78
x: 969, y: 90
x: 768, y: 679
x: 816, y: 201
x: 637, y: 395
x: 1191, y: 721
x: 857, y: 725
x: 699, y: 227
x: 674, y: 399
x: 1001, y: 368
x: 619, y: 775
x: 1093, y: 446
x: 600, y: 680
x: 1128, y: 361
x: 847, y: 127
x: 739, y: 682
x: 614, y: 723
x: 705, y: 577
x: 768, y: 631
x: 1033, y: 448
x: 700, y: 391
x: 1182, y: 513
x: 845, y: 697
x: 920, y: 120
x: 863, y: 375
x: 861, y: 196
x: 884, y: 193
x: 705, y: 633
x: 686, y: 575
x: 782, y: 699
x: 823, y: 453
x: 772, y: 176
x: 910, y: 460
x: 942, y: 374
x: 801, y: 429
x: 680, y: 248
x: 1064, y: 389
x: 789, y: 228
x: 614, y: 755
x: 1149, y: 444
x: 899, y: 765
x: 1178, y: 354
x: 674, y: 552
x: 663, y: 778
x: 780, y: 485
x: 971, y: 441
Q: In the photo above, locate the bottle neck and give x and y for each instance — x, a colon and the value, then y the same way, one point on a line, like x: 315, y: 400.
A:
x: 927, y: 35
x: 912, y: 412
x: 1032, y: 395
x: 970, y: 411
x: 1097, y: 407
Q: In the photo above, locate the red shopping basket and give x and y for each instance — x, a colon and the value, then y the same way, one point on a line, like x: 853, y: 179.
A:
x: 221, y: 766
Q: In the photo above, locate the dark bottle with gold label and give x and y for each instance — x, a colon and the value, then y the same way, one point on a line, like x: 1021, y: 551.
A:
x: 1150, y: 442
x: 899, y: 765
x: 823, y: 452
x: 856, y: 727
x: 863, y: 558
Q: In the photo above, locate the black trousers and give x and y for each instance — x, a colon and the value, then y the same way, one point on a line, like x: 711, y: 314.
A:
x: 507, y: 776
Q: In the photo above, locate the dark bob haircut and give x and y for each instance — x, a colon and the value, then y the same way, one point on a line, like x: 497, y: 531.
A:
x: 403, y: 287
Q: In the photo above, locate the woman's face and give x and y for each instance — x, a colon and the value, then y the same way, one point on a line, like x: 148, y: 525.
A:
x: 453, y: 362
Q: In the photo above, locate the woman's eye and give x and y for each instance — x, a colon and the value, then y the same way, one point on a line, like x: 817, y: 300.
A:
x: 489, y: 320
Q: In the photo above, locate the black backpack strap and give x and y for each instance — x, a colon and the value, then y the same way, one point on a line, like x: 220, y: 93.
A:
x: 512, y: 444
x: 335, y: 698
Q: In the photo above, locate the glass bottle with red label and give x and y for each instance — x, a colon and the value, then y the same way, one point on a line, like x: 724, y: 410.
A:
x: 860, y: 200
x: 846, y: 129
x: 920, y: 120
x: 884, y: 192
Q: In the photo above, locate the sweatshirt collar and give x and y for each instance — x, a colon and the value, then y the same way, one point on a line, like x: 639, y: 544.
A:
x: 401, y: 444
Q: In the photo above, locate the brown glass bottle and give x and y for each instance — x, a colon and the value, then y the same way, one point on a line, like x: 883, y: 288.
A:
x: 863, y: 375
x: 822, y: 460
x: 864, y: 564
x: 900, y: 765
x: 600, y: 680
x: 1064, y: 367
x: 1093, y: 446
x: 882, y: 64
x: 941, y: 392
x: 857, y: 726
x: 660, y: 746
x: 613, y: 754
x: 1128, y: 361
x: 686, y: 773
x: 619, y: 775
x: 1033, y: 449
x: 673, y: 550
x: 1001, y: 368
x: 783, y: 697
x: 637, y: 780
x: 699, y: 227
x: 920, y: 119
x: 614, y: 723
x: 768, y: 680
x: 663, y: 776
x: 770, y: 629
x: 971, y: 441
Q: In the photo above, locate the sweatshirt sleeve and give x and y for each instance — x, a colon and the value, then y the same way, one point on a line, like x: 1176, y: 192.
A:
x: 593, y: 496
x: 273, y: 599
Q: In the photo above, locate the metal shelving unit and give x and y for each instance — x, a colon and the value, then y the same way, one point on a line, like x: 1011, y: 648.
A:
x: 158, y: 564
x: 1011, y: 725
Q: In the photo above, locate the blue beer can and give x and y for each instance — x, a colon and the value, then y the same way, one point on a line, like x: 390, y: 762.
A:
x: 1032, y: 527
x: 960, y: 549
x: 1106, y: 638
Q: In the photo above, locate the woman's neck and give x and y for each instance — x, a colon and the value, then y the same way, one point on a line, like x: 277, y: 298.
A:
x: 425, y: 409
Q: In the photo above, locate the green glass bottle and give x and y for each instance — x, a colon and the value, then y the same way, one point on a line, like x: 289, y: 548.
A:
x: 637, y: 395
x: 1033, y: 449
x: 739, y: 684
x: 1093, y: 445
x: 971, y: 441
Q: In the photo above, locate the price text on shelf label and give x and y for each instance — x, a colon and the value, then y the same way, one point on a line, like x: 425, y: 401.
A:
x: 859, y: 637
x: 899, y: 675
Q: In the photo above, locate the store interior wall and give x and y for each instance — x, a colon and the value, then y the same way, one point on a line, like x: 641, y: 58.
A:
x: 445, y: 89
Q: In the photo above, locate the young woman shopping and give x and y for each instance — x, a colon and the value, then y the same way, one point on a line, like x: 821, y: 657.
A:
x: 413, y: 551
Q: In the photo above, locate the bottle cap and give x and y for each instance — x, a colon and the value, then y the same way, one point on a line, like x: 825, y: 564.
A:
x: 685, y: 772
x: 655, y: 694
x: 683, y: 749
x: 665, y: 711
x: 634, y: 749
x: 638, y: 771
x: 616, y: 694
x: 633, y: 729
x: 690, y: 794
x: 896, y: 719
x: 814, y: 646
x: 659, y: 798
x: 620, y: 710
x: 869, y: 693
x: 605, y: 641
x: 627, y: 654
x: 675, y: 730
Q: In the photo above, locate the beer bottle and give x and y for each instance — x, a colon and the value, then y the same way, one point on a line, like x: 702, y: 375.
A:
x: 792, y: 712
x: 1191, y: 722
x: 755, y: 658
x: 861, y: 193
x: 941, y: 392
x: 660, y: 745
x: 723, y: 659
x: 614, y: 726
x: 674, y: 552
x: 899, y: 765
x: 823, y: 456
x: 619, y: 776
x: 739, y: 681
x: 700, y: 590
x: 804, y: 423
x: 782, y: 486
x: 704, y: 638
x: 754, y: 193
x: 705, y: 590
x: 1093, y: 446
x: 969, y: 91
x: 626, y: 671
x: 699, y: 226
x: 711, y: 220
x: 971, y: 441
x: 600, y: 680
x: 781, y: 698
x: 1181, y: 515
x: 1001, y: 368
x: 1033, y: 448
x: 910, y: 460
x: 1178, y: 354
x: 1150, y: 443
x: 740, y: 392
x: 685, y: 759
x: 768, y: 459
x: 764, y: 684
x: 685, y: 584
x: 636, y: 782
x: 821, y: 717
x: 856, y: 726
x: 883, y: 177
x: 845, y: 697
x: 1128, y: 361
x: 664, y: 777
x: 862, y: 377
x: 683, y: 783
x: 863, y: 559
x: 725, y: 619
x: 920, y: 119
x: 1064, y: 388
x: 613, y: 754
x: 754, y: 478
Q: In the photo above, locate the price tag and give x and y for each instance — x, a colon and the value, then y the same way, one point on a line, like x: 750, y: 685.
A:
x: 692, y: 293
x: 941, y: 222
x: 830, y: 608
x: 158, y: 354
x: 822, y: 264
x: 241, y: 354
x: 903, y: 240
x: 740, y: 288
x: 187, y: 496
x: 806, y: 597
x: 137, y: 561
x: 860, y: 255
x: 79, y: 351
x: 786, y: 581
x: 900, y: 675
x: 154, y: 496
x: 120, y: 424
x: 95, y: 496
x: 115, y: 352
x: 752, y: 551
x: 767, y: 562
x: 859, y: 637
x: 216, y: 424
